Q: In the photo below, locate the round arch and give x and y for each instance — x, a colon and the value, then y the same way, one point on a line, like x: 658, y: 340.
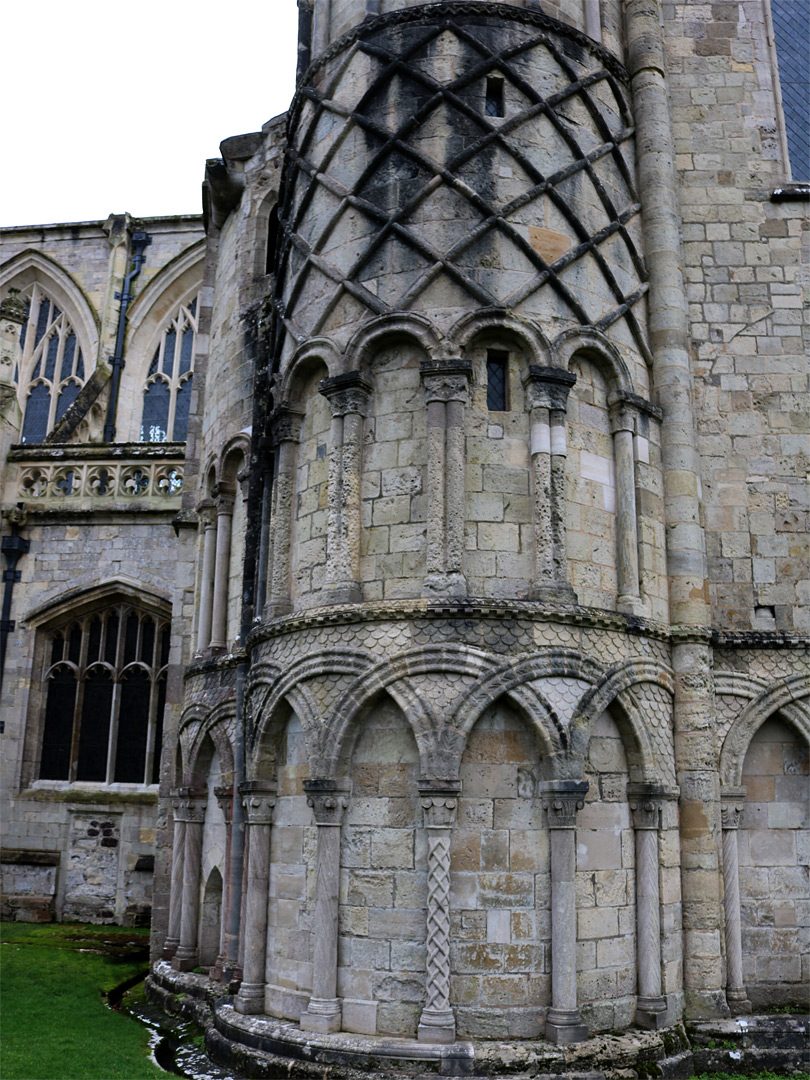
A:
x: 789, y: 697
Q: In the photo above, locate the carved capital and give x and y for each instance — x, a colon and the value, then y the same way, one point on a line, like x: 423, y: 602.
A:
x: 207, y: 514
x: 548, y: 387
x: 224, y: 501
x: 622, y: 416
x: 224, y: 797
x: 347, y: 393
x: 561, y: 800
x: 439, y: 801
x: 647, y: 803
x: 258, y: 799
x: 446, y: 380
x: 732, y: 804
x: 285, y: 424
x: 190, y: 806
x: 328, y: 799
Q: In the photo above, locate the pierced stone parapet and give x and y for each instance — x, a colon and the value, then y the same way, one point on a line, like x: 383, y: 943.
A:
x: 68, y: 478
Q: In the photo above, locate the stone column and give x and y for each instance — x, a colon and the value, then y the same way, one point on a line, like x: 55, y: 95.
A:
x: 622, y: 427
x: 348, y: 397
x: 258, y: 799
x: 646, y: 804
x: 696, y: 751
x: 222, y: 969
x: 446, y: 385
x: 437, y: 1023
x: 561, y: 800
x: 547, y: 392
x: 286, y: 431
x: 191, y: 809
x: 176, y: 888
x: 328, y: 799
x: 209, y: 525
x: 222, y: 567
x: 733, y: 801
x: 264, y: 556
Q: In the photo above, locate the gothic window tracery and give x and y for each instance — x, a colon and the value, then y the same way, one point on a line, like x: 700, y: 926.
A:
x: 105, y: 679
x: 52, y: 368
x: 167, y: 394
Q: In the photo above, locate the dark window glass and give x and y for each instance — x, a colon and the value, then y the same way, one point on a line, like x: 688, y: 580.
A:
x: 55, y: 761
x: 168, y: 353
x: 493, y: 102
x: 497, y: 384
x: 164, y: 647
x: 186, y: 350
x: 56, y: 649
x: 147, y: 641
x: 133, y: 725
x: 24, y: 327
x: 35, y: 425
x: 68, y: 395
x: 131, y: 639
x: 75, y: 646
x: 50, y: 358
x: 94, y: 643
x: 111, y: 642
x: 155, y: 412
x: 67, y: 357
x: 791, y: 31
x: 181, y: 412
x: 154, y: 365
x: 161, y: 705
x: 94, y: 734
x: 42, y: 321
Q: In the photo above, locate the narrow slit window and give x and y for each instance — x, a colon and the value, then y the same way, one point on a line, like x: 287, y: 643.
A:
x: 497, y: 380
x: 493, y: 102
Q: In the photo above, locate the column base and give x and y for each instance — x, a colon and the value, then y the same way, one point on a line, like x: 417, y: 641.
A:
x: 555, y: 592
x: 738, y: 1002
x: 706, y: 1005
x: 342, y: 592
x: 652, y: 1013
x: 250, y: 999
x: 169, y: 949
x: 322, y: 1015
x: 630, y: 605
x: 185, y: 959
x: 437, y: 1026
x: 441, y: 585
x: 274, y: 609
x: 565, y: 1026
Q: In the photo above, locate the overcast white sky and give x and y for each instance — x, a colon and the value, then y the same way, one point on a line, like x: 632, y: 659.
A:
x: 114, y: 105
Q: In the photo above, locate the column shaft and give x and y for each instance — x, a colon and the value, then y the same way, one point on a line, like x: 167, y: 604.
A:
x: 193, y: 813
x: 629, y: 598
x: 176, y: 888
x: 207, y: 582
x: 281, y: 523
x: 258, y: 799
x: 439, y: 802
x: 219, y: 617
x: 435, y: 481
x: 559, y: 454
x: 541, y: 469
x: 222, y: 969
x: 736, y: 993
x: 455, y: 495
x: 561, y: 800
x: 646, y: 807
x: 328, y: 800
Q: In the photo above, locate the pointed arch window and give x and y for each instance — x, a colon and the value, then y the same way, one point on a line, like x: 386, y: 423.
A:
x: 167, y: 394
x: 52, y: 369
x: 105, y: 680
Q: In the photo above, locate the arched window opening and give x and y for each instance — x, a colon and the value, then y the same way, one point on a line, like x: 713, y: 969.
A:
x: 52, y: 370
x: 272, y: 238
x: 105, y: 681
x: 167, y: 394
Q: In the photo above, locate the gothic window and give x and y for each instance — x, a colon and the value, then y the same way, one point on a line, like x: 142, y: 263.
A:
x: 105, y: 686
x: 52, y: 369
x: 167, y: 394
x: 791, y: 31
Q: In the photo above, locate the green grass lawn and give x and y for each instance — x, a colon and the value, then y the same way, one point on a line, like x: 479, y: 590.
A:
x: 55, y: 1023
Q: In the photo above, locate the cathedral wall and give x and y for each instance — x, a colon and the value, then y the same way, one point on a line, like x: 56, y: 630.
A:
x: 747, y: 264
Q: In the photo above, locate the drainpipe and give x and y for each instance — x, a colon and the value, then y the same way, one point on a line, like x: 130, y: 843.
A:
x: 13, y: 547
x: 140, y: 241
